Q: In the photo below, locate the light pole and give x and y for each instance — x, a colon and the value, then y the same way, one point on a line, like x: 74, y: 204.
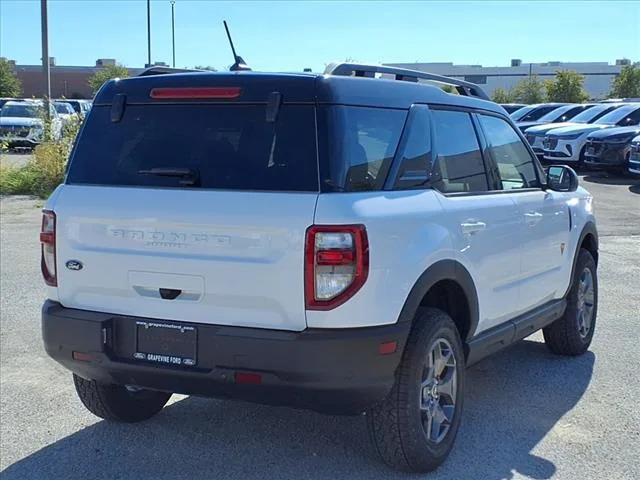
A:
x: 148, y: 33
x: 173, y: 32
x: 45, y: 54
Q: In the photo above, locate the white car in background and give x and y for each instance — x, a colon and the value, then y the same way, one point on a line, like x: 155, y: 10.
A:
x: 22, y: 123
x: 567, y: 144
x: 66, y: 112
x: 535, y: 135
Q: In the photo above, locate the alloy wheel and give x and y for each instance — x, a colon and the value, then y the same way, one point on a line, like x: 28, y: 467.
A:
x: 438, y: 390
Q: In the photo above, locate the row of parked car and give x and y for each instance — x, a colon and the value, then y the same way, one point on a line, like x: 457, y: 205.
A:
x: 22, y: 123
x: 590, y: 135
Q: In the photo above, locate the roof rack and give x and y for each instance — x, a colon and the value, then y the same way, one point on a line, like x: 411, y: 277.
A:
x: 362, y: 70
x: 160, y: 70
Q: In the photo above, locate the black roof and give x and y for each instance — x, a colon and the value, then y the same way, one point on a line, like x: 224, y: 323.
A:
x: 295, y: 88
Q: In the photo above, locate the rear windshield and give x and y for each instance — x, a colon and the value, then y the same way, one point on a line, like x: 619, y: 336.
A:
x: 223, y: 146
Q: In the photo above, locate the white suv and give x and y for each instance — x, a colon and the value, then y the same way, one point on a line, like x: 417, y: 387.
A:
x: 330, y: 242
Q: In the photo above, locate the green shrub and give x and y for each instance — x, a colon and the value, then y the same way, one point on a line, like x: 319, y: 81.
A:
x: 44, y: 172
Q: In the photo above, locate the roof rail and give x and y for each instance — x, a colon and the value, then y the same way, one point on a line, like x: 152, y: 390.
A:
x: 362, y: 70
x: 160, y: 70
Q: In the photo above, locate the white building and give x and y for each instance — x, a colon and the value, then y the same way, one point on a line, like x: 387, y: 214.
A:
x: 598, y: 76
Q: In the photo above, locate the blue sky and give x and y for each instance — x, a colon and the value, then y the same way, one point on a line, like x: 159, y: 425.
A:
x: 286, y: 36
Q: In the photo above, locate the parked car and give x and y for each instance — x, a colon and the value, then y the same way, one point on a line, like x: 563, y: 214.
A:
x: 81, y: 107
x: 610, y: 148
x: 567, y: 144
x: 532, y: 113
x: 559, y: 115
x: 22, y: 125
x: 66, y: 112
x: 512, y: 107
x: 299, y: 244
x: 634, y: 156
x: 535, y: 135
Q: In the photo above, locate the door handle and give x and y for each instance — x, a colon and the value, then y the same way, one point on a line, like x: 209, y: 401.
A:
x: 469, y: 228
x: 532, y: 218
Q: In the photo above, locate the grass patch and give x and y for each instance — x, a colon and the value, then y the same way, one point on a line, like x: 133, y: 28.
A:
x: 44, y: 172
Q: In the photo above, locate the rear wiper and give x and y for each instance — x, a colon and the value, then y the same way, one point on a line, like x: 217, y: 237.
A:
x: 189, y: 176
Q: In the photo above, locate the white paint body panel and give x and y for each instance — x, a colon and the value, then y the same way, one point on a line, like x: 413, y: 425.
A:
x: 237, y: 256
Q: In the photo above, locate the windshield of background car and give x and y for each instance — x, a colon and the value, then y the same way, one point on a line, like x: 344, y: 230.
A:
x: 537, y: 113
x: 227, y: 146
x: 560, y: 112
x: 63, y: 108
x: 521, y: 112
x: 23, y: 111
x: 618, y: 115
x: 592, y: 113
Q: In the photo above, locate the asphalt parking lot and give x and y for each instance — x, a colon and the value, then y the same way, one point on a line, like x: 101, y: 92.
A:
x: 528, y: 414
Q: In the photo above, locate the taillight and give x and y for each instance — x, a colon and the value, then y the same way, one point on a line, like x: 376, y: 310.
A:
x: 48, y: 241
x: 336, y: 264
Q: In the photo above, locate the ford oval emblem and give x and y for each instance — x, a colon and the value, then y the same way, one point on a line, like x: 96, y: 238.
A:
x: 74, y: 265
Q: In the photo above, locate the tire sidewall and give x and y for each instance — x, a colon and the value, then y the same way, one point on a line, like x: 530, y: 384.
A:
x: 585, y: 260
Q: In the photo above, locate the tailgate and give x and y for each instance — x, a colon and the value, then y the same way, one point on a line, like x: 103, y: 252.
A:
x: 236, y: 258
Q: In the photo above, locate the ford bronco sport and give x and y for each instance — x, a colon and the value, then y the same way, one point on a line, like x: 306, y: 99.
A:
x: 340, y: 242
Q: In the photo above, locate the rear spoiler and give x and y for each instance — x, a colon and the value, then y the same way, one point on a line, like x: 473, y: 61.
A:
x: 159, y: 70
x: 404, y: 74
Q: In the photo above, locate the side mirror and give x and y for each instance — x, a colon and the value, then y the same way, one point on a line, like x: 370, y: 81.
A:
x: 562, y: 178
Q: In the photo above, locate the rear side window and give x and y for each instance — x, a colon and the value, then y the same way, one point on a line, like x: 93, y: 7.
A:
x: 515, y: 164
x: 357, y: 146
x: 227, y: 146
x: 413, y: 169
x: 458, y: 166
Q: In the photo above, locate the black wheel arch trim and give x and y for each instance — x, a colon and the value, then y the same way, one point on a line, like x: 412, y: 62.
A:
x: 443, y: 270
x: 588, y: 229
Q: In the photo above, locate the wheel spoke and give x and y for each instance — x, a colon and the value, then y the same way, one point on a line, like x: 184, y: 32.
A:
x: 447, y: 385
x: 438, y: 360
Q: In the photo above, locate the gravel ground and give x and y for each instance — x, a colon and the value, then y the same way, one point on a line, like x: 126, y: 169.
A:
x: 528, y: 414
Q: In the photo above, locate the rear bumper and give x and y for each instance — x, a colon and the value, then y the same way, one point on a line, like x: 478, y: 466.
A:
x: 332, y: 371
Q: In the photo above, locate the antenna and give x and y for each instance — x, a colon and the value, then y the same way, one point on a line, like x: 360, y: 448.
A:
x: 239, y: 64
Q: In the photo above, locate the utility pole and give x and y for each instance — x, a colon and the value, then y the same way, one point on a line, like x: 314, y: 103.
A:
x: 45, y: 55
x: 148, y: 33
x: 173, y: 31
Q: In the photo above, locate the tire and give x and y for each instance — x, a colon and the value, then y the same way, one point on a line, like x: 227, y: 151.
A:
x: 396, y: 424
x: 572, y: 333
x: 117, y: 403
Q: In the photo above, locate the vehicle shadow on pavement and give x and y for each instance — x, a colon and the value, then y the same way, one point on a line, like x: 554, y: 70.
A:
x: 513, y: 400
x: 635, y: 188
x: 609, y: 179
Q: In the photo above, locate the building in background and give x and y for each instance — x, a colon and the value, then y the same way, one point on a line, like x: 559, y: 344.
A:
x: 598, y: 76
x: 66, y: 81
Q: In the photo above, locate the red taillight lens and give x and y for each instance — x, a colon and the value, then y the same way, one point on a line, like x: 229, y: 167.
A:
x: 184, y: 93
x: 336, y: 264
x: 48, y: 241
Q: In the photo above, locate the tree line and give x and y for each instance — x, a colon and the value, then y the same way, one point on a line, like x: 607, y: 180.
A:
x: 567, y: 86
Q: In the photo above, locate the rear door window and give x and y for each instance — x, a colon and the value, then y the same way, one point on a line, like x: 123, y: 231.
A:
x: 227, y: 146
x: 458, y: 166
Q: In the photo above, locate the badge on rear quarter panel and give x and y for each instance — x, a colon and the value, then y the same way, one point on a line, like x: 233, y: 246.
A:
x: 74, y: 265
